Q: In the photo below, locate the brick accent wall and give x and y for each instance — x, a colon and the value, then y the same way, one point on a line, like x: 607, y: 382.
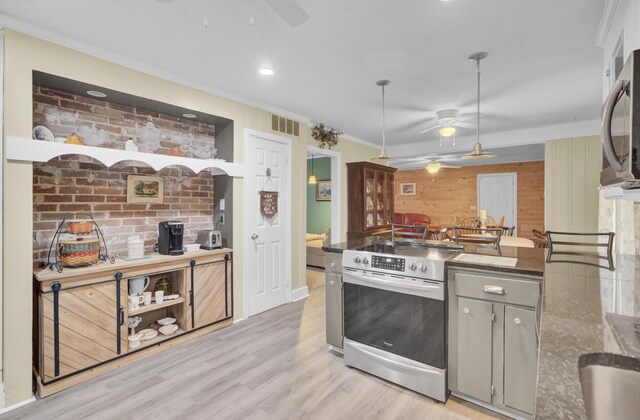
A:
x: 64, y: 113
x: 79, y: 184
x: 68, y: 185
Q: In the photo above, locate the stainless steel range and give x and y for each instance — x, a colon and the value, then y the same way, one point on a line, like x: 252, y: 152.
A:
x: 395, y: 315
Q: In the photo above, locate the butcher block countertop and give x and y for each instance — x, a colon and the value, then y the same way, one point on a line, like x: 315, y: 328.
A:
x: 104, y: 270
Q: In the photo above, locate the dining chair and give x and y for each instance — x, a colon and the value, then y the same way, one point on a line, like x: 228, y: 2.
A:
x: 489, y: 221
x: 507, y: 230
x: 480, y: 236
x: 438, y: 234
x: 471, y: 222
x: 539, y: 239
x: 501, y: 222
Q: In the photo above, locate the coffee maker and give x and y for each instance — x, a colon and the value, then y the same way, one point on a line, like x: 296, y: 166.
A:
x: 170, y: 238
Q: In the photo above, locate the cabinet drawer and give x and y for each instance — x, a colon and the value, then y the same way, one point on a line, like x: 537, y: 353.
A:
x: 333, y: 262
x: 519, y: 292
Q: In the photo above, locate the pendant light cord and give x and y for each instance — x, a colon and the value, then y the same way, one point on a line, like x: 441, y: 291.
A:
x: 478, y: 103
x: 383, y: 122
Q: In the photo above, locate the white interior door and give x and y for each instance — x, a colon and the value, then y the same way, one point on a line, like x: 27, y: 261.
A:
x: 498, y: 195
x: 268, y: 252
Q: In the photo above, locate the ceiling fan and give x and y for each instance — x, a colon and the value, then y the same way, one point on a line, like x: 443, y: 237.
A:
x: 434, y: 166
x: 288, y: 10
x: 447, y: 122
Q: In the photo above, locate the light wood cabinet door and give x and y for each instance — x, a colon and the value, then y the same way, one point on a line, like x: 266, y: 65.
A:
x: 211, y: 293
x: 520, y: 358
x: 80, y: 327
x: 475, y: 330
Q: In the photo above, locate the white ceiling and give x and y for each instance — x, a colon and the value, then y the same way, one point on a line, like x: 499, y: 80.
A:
x: 543, y: 69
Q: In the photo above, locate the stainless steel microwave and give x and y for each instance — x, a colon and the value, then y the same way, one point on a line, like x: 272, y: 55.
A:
x: 620, y: 129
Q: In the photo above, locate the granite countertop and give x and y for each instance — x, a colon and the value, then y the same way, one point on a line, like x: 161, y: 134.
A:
x: 530, y: 260
x: 585, y: 309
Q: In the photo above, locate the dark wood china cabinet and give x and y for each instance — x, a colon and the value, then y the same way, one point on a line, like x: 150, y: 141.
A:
x: 370, y: 197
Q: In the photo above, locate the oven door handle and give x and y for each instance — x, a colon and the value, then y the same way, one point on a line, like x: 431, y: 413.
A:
x: 385, y: 282
x: 398, y: 365
x: 607, y: 115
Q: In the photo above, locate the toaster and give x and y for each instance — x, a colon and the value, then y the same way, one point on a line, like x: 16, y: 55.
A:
x: 209, y: 239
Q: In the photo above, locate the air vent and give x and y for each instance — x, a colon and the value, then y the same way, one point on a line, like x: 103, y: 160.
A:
x: 285, y: 125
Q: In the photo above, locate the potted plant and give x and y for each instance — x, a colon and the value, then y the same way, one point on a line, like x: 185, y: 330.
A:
x: 327, y: 137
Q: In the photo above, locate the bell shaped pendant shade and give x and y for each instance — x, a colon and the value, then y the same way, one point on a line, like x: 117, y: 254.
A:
x: 383, y: 158
x: 477, y: 149
x: 312, y: 177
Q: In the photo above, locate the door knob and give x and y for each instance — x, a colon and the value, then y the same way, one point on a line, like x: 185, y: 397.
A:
x: 466, y: 310
x: 254, y: 236
x: 517, y: 321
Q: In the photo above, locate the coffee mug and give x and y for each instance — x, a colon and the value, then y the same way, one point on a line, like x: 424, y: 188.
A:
x: 147, y: 298
x: 159, y: 296
x: 135, y: 301
x: 138, y: 285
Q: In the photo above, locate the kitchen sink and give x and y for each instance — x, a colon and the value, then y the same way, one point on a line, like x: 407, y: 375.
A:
x: 610, y: 385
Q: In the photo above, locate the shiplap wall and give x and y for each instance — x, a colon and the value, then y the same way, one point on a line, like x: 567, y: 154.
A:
x: 572, y: 177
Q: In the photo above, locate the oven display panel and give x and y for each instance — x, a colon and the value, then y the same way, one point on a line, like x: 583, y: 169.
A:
x: 387, y: 263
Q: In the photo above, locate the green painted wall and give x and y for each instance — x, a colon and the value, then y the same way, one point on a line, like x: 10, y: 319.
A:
x: 318, y: 212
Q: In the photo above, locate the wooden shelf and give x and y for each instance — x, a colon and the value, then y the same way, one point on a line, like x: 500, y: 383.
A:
x: 159, y: 338
x: 154, y: 306
x: 22, y: 149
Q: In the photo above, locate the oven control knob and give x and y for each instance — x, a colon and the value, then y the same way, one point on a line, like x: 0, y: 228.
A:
x: 413, y: 266
x: 357, y: 260
x: 423, y: 267
x: 365, y: 260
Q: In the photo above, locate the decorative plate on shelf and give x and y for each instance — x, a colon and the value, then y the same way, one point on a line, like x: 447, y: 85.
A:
x: 41, y: 132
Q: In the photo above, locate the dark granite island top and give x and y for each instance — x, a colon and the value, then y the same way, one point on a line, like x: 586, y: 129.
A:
x: 585, y: 309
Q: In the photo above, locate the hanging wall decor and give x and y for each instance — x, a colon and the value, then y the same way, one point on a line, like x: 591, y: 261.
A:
x: 268, y: 203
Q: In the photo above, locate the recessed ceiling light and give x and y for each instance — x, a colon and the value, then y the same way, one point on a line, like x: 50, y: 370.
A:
x: 189, y: 115
x: 97, y: 93
x: 266, y: 71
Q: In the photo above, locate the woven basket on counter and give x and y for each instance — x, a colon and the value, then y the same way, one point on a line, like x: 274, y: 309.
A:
x: 79, y: 252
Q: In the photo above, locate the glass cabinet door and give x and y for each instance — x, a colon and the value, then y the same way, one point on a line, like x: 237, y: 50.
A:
x: 369, y: 198
x: 380, y: 199
x: 390, y: 198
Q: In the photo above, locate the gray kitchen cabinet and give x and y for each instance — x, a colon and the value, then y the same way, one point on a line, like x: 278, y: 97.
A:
x: 493, y: 346
x: 334, y: 299
x: 475, y: 328
x: 520, y: 358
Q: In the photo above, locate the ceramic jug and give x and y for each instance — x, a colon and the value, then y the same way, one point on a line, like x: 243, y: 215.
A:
x: 138, y: 285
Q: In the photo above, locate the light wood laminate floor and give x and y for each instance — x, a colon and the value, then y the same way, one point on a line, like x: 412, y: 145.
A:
x: 275, y: 365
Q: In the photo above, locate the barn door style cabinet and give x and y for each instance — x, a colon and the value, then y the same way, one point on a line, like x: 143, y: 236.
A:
x: 83, y: 320
x: 493, y: 344
x: 370, y: 190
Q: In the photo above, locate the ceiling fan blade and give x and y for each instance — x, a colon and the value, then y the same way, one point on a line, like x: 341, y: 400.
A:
x: 465, y: 125
x: 450, y: 167
x: 430, y: 128
x: 289, y: 10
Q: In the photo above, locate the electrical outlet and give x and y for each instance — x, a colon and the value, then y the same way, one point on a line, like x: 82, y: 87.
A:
x: 221, y: 219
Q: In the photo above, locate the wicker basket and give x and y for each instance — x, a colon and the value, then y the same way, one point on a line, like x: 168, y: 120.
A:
x: 79, y: 227
x: 80, y: 252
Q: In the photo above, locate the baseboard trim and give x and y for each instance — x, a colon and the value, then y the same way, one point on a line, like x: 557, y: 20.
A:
x: 18, y: 405
x: 299, y: 294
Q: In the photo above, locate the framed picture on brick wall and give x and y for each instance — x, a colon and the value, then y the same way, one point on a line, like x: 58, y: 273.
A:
x: 144, y: 189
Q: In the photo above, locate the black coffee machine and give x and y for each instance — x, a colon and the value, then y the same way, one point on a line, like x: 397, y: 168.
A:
x: 170, y: 238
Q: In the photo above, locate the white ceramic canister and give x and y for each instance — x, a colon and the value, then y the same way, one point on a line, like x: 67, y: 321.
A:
x: 136, y: 246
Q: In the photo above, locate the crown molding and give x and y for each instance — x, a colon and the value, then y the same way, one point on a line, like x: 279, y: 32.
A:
x: 608, y: 13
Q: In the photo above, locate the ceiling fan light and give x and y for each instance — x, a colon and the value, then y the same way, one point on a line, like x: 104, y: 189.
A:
x: 447, y: 131
x: 432, y: 169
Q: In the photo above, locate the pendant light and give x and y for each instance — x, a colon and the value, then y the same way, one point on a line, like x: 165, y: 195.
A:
x: 477, y: 148
x: 383, y: 158
x: 312, y: 177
